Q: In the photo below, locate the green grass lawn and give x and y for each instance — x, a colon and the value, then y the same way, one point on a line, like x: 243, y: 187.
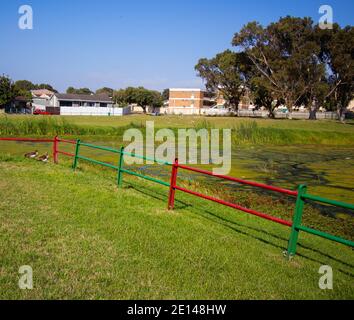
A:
x: 85, y: 238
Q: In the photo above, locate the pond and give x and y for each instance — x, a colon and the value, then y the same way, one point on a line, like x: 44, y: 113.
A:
x: 328, y: 171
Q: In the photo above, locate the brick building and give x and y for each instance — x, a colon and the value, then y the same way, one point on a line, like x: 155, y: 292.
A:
x: 189, y: 101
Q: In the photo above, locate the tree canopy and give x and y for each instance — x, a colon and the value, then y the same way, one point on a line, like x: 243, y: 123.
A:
x: 105, y: 90
x: 7, y: 90
x: 140, y: 96
x: 228, y: 73
x: 72, y: 90
x: 291, y: 61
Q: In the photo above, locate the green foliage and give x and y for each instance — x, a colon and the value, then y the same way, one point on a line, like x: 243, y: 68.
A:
x: 337, y: 52
x: 27, y: 86
x: 105, y: 90
x: 286, y: 59
x: 226, y: 73
x: 46, y: 86
x: 166, y: 94
x: 120, y: 97
x: 291, y: 61
x: 72, y: 90
x: 140, y: 96
x: 7, y: 90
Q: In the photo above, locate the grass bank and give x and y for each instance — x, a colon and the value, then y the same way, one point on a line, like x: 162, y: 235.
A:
x: 244, y: 131
x: 85, y: 238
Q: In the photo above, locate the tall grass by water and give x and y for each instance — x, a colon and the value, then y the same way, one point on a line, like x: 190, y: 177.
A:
x: 49, y: 126
x: 249, y: 132
x: 243, y: 132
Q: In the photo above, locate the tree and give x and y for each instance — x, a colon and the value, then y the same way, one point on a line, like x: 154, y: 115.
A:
x: 337, y: 53
x: 72, y: 90
x: 166, y: 94
x: 105, y: 90
x: 262, y: 95
x: 140, y: 96
x: 157, y: 100
x: 46, y: 86
x: 120, y: 97
x: 143, y: 97
x: 25, y: 85
x: 227, y: 73
x: 286, y: 55
x: 7, y: 90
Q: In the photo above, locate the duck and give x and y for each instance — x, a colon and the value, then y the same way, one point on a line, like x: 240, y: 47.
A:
x: 43, y: 158
x: 31, y: 155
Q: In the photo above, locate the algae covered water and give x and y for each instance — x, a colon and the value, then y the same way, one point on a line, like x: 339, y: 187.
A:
x: 327, y: 170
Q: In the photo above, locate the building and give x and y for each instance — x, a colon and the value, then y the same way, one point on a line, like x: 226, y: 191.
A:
x: 82, y: 104
x: 19, y: 104
x: 189, y: 101
x: 40, y: 98
x: 80, y: 100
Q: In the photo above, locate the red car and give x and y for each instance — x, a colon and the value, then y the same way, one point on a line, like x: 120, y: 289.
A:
x: 41, y: 112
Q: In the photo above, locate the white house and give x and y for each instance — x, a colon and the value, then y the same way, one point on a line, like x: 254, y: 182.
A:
x: 84, y: 105
x: 40, y: 98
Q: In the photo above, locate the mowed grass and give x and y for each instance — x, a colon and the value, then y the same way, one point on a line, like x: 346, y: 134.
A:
x: 87, y: 239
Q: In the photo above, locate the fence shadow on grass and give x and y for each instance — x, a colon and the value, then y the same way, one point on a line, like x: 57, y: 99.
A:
x: 236, y: 226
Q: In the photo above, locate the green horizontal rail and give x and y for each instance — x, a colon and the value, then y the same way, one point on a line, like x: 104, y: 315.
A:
x: 326, y: 235
x: 99, y: 147
x: 328, y: 201
x: 146, y: 177
x: 298, y: 213
x: 98, y: 162
x: 147, y: 158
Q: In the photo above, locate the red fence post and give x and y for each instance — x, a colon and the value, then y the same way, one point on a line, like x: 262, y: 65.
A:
x: 55, y: 149
x: 171, y: 197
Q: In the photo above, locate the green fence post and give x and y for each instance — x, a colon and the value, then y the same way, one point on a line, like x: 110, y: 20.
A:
x: 299, y: 208
x: 120, y: 167
x: 77, y: 148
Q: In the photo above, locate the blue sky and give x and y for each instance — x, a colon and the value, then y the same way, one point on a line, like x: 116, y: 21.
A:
x: 115, y: 43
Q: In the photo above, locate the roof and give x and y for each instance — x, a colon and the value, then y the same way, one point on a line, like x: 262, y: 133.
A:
x: 84, y: 97
x: 41, y: 92
x: 185, y: 89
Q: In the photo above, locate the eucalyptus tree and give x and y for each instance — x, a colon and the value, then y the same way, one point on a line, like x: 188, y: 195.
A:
x: 337, y: 46
x: 286, y: 57
x: 227, y: 73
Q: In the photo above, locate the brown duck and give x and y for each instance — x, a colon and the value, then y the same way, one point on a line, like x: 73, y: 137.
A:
x: 31, y: 155
x: 43, y: 158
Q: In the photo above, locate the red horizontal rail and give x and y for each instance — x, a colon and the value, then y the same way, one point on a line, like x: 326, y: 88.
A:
x: 56, y: 151
x: 67, y: 141
x: 250, y: 183
x: 26, y: 140
x: 66, y: 153
x: 236, y: 206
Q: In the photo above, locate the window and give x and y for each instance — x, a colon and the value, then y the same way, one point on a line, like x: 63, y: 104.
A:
x: 103, y: 105
x: 65, y: 104
x: 90, y: 104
